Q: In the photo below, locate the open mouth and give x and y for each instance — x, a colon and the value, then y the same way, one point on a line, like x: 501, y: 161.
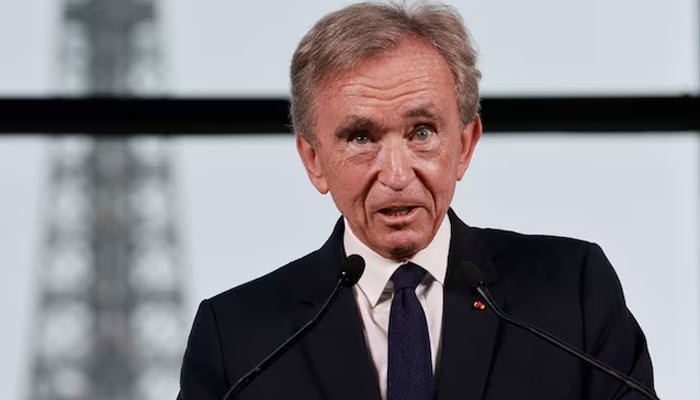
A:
x: 396, y: 211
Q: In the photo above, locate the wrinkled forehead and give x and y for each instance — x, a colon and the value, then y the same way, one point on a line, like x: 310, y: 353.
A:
x: 337, y: 64
x: 327, y: 80
x: 409, y: 83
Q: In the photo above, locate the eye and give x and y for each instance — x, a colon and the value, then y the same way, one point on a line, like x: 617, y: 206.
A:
x: 361, y: 139
x: 423, y: 132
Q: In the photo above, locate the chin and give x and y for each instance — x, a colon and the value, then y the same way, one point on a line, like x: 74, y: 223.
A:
x: 400, y: 250
x: 402, y: 253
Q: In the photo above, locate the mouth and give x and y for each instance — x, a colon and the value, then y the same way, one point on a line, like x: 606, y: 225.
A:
x: 396, y: 211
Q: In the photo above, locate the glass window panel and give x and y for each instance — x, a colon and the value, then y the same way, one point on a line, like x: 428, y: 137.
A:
x: 220, y: 47
x: 533, y: 47
x: 635, y: 195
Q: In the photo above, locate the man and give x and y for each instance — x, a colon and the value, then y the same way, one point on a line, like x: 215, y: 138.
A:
x: 384, y: 106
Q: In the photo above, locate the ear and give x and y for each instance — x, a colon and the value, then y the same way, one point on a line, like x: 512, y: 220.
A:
x: 469, y: 137
x: 312, y: 162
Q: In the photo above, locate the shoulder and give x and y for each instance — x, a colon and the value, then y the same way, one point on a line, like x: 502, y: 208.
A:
x: 503, y: 243
x: 560, y: 271
x: 249, y: 320
x: 268, y: 292
x: 282, y: 293
x: 544, y: 268
x: 512, y: 252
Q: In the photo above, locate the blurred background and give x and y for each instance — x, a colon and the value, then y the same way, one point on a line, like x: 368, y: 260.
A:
x: 107, y: 246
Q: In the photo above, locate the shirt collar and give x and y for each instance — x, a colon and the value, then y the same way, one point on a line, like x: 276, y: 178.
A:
x: 378, y: 270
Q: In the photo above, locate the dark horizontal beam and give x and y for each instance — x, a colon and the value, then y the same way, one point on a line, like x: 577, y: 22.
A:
x: 136, y: 115
x: 179, y: 116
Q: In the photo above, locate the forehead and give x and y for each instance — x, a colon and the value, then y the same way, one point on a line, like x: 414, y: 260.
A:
x: 412, y: 76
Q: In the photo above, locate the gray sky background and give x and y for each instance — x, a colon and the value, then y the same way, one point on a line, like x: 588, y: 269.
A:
x: 540, y: 46
x: 637, y: 196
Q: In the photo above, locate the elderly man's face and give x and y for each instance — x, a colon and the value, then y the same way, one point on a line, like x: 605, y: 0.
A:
x: 391, y: 147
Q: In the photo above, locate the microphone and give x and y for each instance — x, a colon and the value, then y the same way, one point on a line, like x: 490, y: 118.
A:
x: 471, y: 277
x: 350, y: 272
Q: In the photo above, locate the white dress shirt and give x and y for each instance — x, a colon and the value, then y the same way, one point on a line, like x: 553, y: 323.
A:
x: 374, y: 292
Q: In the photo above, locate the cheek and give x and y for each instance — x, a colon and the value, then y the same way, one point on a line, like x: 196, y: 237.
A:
x: 438, y: 174
x: 349, y: 181
x: 440, y: 164
x: 352, y: 167
x: 451, y: 160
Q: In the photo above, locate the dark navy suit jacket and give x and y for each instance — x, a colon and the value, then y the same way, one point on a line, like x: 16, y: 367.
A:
x: 564, y: 286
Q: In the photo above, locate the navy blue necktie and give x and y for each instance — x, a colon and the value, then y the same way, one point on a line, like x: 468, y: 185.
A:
x: 410, y: 370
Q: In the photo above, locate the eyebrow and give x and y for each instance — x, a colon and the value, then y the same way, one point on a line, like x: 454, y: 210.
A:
x: 425, y: 111
x: 356, y: 124
x: 353, y: 125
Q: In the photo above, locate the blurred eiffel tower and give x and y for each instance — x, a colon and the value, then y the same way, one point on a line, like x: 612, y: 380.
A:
x: 108, y: 323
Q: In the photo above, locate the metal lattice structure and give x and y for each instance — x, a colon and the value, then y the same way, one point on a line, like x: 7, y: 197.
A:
x: 109, y: 316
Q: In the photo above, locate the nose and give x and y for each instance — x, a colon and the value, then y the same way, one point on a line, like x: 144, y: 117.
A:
x: 396, y: 166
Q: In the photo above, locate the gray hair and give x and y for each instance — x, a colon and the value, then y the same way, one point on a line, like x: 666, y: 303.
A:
x: 345, y: 38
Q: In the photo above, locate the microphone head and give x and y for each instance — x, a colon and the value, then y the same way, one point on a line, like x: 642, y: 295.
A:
x: 352, y: 269
x: 470, y: 276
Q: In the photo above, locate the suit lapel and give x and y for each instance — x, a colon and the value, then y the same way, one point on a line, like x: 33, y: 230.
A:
x: 336, y: 348
x: 469, y: 334
x: 339, y: 356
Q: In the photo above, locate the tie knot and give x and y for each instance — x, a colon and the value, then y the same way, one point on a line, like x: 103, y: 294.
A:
x: 408, y: 275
